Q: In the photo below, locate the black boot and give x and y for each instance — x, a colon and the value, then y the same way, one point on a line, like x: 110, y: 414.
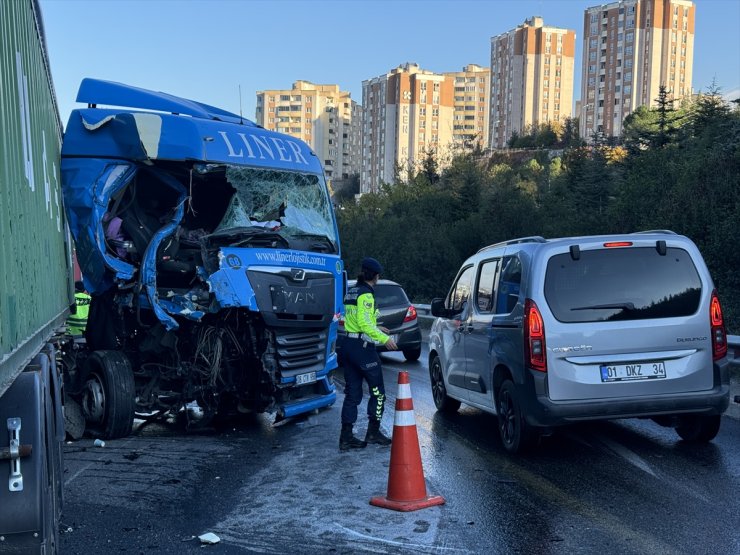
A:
x: 374, y: 435
x: 347, y: 440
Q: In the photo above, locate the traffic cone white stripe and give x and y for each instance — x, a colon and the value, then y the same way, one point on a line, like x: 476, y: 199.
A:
x: 404, y: 418
x: 404, y: 391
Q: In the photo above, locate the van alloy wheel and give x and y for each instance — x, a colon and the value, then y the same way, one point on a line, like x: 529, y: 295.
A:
x: 442, y: 401
x: 516, y: 435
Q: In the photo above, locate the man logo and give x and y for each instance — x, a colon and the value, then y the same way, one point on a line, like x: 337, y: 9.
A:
x: 297, y: 274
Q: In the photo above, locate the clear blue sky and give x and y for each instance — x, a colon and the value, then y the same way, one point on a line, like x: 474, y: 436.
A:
x: 206, y: 50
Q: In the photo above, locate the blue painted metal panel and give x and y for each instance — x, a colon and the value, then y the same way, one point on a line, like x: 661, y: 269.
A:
x: 97, y: 91
x: 211, y: 136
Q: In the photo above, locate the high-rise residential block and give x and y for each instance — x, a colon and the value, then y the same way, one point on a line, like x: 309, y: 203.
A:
x: 321, y: 115
x: 630, y: 49
x: 531, y: 78
x: 407, y: 112
x: 470, y: 101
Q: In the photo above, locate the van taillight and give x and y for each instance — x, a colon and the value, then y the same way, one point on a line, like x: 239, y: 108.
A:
x: 719, y: 335
x: 410, y: 314
x: 534, y: 337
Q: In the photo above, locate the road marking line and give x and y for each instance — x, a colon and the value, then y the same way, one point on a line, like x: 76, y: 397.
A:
x: 96, y: 461
x: 626, y: 453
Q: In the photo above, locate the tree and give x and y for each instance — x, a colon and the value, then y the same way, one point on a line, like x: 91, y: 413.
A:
x: 571, y: 137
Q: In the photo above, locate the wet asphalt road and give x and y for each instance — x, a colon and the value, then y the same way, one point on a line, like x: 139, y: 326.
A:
x: 619, y: 487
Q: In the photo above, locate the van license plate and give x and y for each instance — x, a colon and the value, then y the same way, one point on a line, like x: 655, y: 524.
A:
x: 303, y: 379
x: 630, y: 372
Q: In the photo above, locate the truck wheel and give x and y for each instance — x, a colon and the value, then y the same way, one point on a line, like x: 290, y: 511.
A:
x: 516, y: 435
x: 108, y: 396
x: 698, y: 428
x: 439, y: 391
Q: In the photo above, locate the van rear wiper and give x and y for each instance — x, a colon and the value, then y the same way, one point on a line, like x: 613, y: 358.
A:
x: 623, y: 306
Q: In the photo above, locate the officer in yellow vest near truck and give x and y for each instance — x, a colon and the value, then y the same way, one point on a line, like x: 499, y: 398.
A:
x: 77, y: 320
x: 360, y: 360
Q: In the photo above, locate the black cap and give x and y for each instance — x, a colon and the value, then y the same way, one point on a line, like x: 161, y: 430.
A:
x: 372, y: 265
x: 79, y: 287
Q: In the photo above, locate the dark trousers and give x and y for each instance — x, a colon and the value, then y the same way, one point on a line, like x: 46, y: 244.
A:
x: 360, y: 360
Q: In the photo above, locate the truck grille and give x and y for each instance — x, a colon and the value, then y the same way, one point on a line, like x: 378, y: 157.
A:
x: 300, y: 352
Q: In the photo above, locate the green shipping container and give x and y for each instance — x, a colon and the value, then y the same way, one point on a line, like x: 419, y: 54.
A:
x: 35, y: 264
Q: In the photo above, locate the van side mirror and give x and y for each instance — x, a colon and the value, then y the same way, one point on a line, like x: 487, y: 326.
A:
x: 438, y: 308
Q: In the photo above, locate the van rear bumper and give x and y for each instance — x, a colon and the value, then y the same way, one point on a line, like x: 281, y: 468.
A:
x: 542, y: 411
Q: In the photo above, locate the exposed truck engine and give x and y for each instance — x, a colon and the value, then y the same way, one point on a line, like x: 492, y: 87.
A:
x: 210, y: 249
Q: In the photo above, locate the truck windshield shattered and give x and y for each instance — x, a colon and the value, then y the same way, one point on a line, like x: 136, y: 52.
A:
x: 293, y: 205
x: 210, y: 248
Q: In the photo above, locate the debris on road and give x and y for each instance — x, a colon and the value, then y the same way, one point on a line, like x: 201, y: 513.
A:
x: 209, y: 538
x: 99, y: 443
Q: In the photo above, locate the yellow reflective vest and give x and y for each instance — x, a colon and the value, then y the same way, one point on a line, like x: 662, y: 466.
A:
x: 360, y: 315
x: 77, y: 322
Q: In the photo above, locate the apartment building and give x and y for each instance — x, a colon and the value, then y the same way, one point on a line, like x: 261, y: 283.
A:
x: 532, y: 70
x: 472, y: 89
x: 323, y: 116
x: 407, y: 111
x: 630, y: 49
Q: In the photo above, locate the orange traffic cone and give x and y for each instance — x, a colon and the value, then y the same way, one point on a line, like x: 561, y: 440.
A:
x: 406, y: 488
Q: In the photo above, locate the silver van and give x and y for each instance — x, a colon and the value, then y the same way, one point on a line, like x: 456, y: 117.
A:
x: 547, y: 332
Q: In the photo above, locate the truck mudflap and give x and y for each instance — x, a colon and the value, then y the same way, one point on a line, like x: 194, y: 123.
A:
x: 31, y: 436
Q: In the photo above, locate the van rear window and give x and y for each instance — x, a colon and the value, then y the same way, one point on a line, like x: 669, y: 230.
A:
x: 622, y: 284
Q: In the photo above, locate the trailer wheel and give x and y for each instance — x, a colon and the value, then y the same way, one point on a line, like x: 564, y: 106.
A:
x: 108, y: 396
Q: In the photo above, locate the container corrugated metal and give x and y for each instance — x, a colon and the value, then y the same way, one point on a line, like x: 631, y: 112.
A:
x: 35, y: 266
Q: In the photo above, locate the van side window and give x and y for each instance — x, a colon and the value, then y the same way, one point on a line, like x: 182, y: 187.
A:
x: 461, y: 291
x: 508, y: 287
x: 487, y: 285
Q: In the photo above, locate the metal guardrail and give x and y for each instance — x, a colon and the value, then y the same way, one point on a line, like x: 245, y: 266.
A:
x: 424, y: 311
x: 733, y: 349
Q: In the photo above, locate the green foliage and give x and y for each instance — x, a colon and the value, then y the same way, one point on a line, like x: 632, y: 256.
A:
x: 681, y: 171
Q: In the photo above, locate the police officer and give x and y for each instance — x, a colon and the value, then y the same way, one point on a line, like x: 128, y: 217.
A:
x: 360, y: 360
x: 77, y: 320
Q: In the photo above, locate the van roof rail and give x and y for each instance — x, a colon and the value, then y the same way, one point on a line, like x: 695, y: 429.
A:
x: 531, y: 239
x: 655, y: 231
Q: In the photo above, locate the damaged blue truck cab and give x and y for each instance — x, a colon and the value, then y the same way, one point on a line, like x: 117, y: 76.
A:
x: 210, y: 248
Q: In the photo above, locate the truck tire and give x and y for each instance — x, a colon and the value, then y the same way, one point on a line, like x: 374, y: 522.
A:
x: 108, y: 396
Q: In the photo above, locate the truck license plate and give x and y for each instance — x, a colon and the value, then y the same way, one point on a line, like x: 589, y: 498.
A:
x: 303, y: 379
x: 629, y: 372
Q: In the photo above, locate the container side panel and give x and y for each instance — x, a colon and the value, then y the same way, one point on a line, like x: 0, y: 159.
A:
x: 34, y: 252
